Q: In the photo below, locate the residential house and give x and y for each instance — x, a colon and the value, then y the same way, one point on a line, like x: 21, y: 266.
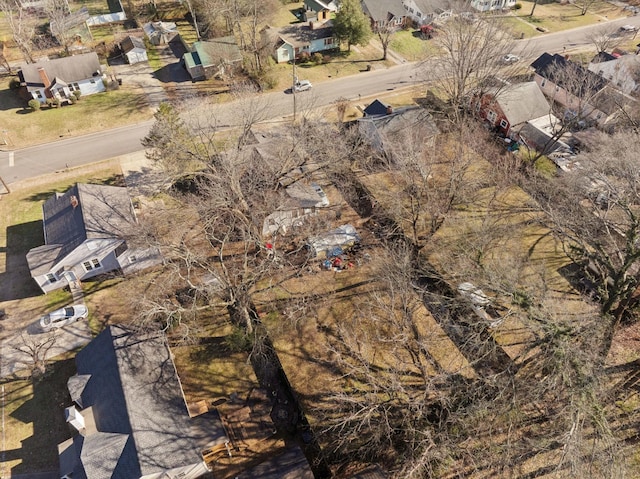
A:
x: 160, y: 33
x: 424, y: 12
x: 85, y: 232
x: 384, y: 13
x: 377, y: 108
x: 213, y: 58
x: 302, y: 200
x: 507, y: 109
x: 300, y: 38
x: 622, y: 71
x: 380, y: 128
x: 134, y: 50
x: 580, y: 92
x: 130, y: 415
x: 492, y: 5
x: 319, y: 10
x: 60, y: 77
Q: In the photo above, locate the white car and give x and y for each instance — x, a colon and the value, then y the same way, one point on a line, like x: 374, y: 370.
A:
x: 302, y: 85
x: 510, y: 58
x: 64, y: 316
x: 628, y: 28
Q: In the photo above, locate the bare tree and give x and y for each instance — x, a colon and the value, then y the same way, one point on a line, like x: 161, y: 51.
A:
x: 604, y: 38
x: 470, y: 53
x: 59, y: 17
x: 37, y: 348
x: 22, y: 26
x: 385, y: 35
x: 594, y: 210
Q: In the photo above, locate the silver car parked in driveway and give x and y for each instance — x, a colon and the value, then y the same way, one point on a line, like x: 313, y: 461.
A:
x: 64, y: 316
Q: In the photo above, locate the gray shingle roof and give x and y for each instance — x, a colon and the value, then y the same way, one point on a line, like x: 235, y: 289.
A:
x: 134, y: 390
x: 379, y: 10
x: 299, y: 34
x: 131, y: 43
x: 522, y: 102
x: 100, y: 212
x: 70, y: 69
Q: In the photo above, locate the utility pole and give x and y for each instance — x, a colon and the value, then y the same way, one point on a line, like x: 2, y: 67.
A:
x: 293, y: 85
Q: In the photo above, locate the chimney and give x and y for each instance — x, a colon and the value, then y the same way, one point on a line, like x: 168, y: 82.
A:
x: 75, y: 418
x: 74, y: 201
x: 43, y: 76
x: 389, y: 110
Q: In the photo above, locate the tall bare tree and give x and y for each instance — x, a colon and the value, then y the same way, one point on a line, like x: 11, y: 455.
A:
x: 59, y: 21
x: 469, y: 54
x: 22, y: 25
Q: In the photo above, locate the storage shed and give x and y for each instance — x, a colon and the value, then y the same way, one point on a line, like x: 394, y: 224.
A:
x: 134, y: 50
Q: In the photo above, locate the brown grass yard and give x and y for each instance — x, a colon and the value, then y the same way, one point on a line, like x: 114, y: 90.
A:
x: 92, y: 113
x: 304, y: 345
x: 556, y: 17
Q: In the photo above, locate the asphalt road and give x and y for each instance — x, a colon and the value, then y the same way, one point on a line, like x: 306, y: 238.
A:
x: 34, y: 161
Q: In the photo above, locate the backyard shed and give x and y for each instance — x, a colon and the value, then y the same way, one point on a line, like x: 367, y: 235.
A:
x: 134, y: 50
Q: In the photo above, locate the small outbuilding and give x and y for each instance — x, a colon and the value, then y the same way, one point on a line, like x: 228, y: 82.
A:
x: 341, y: 238
x: 134, y: 50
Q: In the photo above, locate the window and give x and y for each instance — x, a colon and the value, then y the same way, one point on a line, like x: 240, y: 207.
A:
x: 51, y: 278
x: 504, y: 124
x: 39, y: 93
x: 91, y: 264
x: 92, y: 80
x: 132, y: 259
x: 328, y: 41
x: 491, y: 116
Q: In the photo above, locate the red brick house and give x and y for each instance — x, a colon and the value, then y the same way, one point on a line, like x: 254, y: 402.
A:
x: 508, y: 109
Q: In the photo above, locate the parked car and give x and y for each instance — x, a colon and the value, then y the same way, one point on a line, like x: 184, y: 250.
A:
x: 302, y: 85
x: 63, y: 317
x: 628, y: 28
x: 510, y: 58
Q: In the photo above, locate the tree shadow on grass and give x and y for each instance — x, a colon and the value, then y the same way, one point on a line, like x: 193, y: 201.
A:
x: 16, y: 280
x: 45, y: 411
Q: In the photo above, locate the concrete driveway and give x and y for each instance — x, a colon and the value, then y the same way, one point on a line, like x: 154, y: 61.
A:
x: 170, y: 82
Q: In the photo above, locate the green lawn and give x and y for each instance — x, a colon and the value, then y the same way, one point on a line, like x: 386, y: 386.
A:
x: 412, y: 47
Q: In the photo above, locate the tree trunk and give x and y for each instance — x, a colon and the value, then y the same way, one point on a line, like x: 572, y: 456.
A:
x: 533, y: 9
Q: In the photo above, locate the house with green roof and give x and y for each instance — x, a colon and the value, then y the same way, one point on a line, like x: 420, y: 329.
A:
x: 213, y: 58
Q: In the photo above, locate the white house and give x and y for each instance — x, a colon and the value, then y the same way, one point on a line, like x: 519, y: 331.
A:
x: 622, y: 71
x: 59, y: 78
x: 304, y: 38
x: 424, y: 12
x: 491, y: 5
x: 85, y: 232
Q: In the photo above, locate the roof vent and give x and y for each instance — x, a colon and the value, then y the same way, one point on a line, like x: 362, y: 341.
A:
x: 74, y: 201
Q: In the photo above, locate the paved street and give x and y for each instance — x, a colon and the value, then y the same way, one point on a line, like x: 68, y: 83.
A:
x: 38, y: 160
